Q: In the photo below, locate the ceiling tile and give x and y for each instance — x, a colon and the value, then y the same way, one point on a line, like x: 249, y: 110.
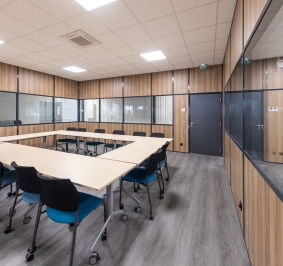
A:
x: 149, y: 9
x: 87, y: 23
x: 123, y: 51
x: 202, y: 56
x: 226, y: 10
x: 181, y: 5
x: 104, y: 55
x: 162, y: 26
x: 116, y: 62
x: 120, y: 73
x: 277, y: 45
x: 183, y: 66
x: 101, y: 64
x: 71, y: 60
x: 150, y: 70
x: 87, y: 58
x: 198, y: 18
x: 219, y: 53
x: 14, y: 49
x: 39, y: 57
x: 58, y: 29
x: 99, y: 71
x: 53, y: 54
x: 27, y: 60
x: 175, y: 52
x: 134, y: 72
x: 170, y: 41
x: 47, y: 66
x: 4, y: 2
x: 223, y: 30
x: 145, y: 47
x: 58, y: 64
x: 134, y: 59
x: 62, y: 9
x: 198, y: 63
x: 110, y: 40
x: 221, y: 44
x: 28, y: 44
x: 14, y: 25
x: 165, y: 68
x: 69, y: 50
x: 142, y: 65
x: 15, y: 63
x: 126, y: 67
x: 180, y: 59
x: 7, y: 35
x: 29, y: 13
x: 200, y: 35
x: 201, y: 47
x: 133, y: 34
x: 218, y: 61
x: 163, y: 62
x: 94, y: 49
x: 115, y: 15
x: 44, y: 39
x: 7, y: 55
x: 112, y: 69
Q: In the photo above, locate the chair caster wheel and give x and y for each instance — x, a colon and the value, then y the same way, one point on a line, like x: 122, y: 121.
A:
x: 29, y: 257
x: 14, y: 193
x: 7, y: 230
x: 161, y: 196
x: 150, y: 217
x: 9, y: 213
x: 103, y: 236
x: 135, y: 190
x: 125, y: 217
x: 30, y: 249
x: 121, y: 206
x: 26, y: 220
x: 162, y: 191
x: 138, y: 208
x: 94, y: 258
x: 71, y: 227
x: 9, y: 194
x: 167, y: 178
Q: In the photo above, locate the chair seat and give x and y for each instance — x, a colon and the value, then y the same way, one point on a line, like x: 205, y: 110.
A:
x: 159, y: 166
x: 6, y: 169
x: 9, y: 178
x: 94, y: 143
x: 63, y: 140
x: 87, y: 203
x: 30, y: 197
x: 111, y: 146
x: 137, y: 175
x: 72, y: 141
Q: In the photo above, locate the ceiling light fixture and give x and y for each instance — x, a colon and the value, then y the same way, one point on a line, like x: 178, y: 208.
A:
x: 92, y: 4
x: 157, y: 55
x: 1, y: 42
x: 74, y: 69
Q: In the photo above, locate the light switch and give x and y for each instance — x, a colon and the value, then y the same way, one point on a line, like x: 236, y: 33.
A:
x: 183, y: 109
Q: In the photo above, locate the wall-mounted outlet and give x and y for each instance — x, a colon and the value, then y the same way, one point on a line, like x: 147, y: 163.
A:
x: 281, y: 153
x: 181, y: 144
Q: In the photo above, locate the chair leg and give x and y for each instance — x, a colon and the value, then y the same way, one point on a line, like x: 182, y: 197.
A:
x: 74, y: 239
x: 96, y: 150
x: 167, y: 178
x: 160, y: 190
x: 162, y: 180
x: 121, y: 191
x: 67, y: 147
x: 8, y: 229
x: 135, y: 190
x: 150, y: 211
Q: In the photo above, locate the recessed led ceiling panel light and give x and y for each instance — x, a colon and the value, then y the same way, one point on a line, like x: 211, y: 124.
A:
x: 92, y: 4
x: 157, y: 55
x: 1, y: 42
x: 74, y: 69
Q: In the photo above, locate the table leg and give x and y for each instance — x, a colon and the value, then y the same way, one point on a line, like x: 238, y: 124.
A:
x: 115, y: 144
x: 109, y: 200
x: 85, y: 146
x: 78, y: 144
x: 44, y: 142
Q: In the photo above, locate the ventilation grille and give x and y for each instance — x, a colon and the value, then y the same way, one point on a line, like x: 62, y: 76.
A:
x: 80, y: 39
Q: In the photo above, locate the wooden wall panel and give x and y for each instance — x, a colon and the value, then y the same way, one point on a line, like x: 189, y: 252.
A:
x: 8, y: 77
x: 237, y: 34
x: 34, y: 82
x: 109, y: 128
x: 131, y: 128
x: 162, y: 83
x: 38, y: 142
x: 167, y: 130
x: 254, y: 75
x: 227, y: 63
x: 263, y: 219
x: 252, y: 11
x: 110, y: 88
x: 137, y: 85
x: 66, y: 88
x: 181, y: 120
x: 273, y: 77
x: 208, y: 80
x: 89, y: 89
x: 237, y: 79
x: 64, y: 126
x: 227, y: 154
x: 237, y: 178
x: 8, y: 131
x: 181, y: 81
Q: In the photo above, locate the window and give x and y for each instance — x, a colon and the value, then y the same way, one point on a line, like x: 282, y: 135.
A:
x: 66, y: 110
x: 112, y: 110
x: 137, y: 110
x: 7, y: 108
x: 89, y: 110
x: 35, y: 109
x: 163, y: 110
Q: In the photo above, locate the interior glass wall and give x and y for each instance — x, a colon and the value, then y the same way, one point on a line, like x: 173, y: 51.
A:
x: 66, y: 110
x: 137, y: 110
x: 162, y: 110
x: 89, y: 110
x: 112, y: 110
x: 7, y: 108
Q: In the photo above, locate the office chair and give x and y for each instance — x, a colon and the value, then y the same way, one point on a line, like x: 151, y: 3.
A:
x: 68, y: 206
x: 111, y: 145
x: 139, y: 133
x: 7, y: 178
x: 65, y: 140
x: 95, y: 143
x: 74, y: 141
x: 143, y: 176
x: 163, y: 161
x: 29, y: 183
x: 157, y: 135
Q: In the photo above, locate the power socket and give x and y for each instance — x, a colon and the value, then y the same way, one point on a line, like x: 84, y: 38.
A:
x: 181, y: 144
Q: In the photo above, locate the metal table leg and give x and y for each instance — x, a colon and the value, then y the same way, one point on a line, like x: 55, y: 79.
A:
x: 115, y: 144
x: 109, y: 199
x: 44, y: 142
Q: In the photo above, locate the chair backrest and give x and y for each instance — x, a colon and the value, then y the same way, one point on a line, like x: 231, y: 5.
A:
x: 59, y: 194
x: 157, y: 135
x: 99, y: 131
x: 119, y: 132
x: 163, y: 153
x: 27, y: 178
x: 81, y: 129
x: 151, y: 164
x: 1, y: 171
x: 71, y: 129
x: 139, y: 133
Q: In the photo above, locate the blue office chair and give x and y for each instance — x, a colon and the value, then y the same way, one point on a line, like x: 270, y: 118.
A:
x: 7, y: 178
x: 111, y: 145
x: 143, y: 176
x: 65, y: 140
x: 95, y: 143
x: 64, y: 205
x: 74, y: 141
x: 29, y: 183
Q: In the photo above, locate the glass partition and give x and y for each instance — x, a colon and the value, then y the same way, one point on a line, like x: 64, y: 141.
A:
x: 7, y: 108
x: 89, y: 110
x: 162, y: 110
x: 112, y: 110
x: 137, y: 110
x: 66, y: 110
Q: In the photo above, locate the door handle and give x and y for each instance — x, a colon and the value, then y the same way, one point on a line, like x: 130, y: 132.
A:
x: 193, y: 124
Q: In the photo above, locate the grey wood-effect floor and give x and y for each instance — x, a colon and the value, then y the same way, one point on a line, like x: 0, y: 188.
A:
x: 195, y: 224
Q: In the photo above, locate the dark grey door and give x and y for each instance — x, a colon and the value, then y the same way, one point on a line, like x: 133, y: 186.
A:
x: 205, y: 124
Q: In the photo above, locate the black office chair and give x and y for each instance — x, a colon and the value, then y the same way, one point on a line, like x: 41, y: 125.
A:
x: 29, y: 183
x: 163, y: 160
x: 64, y: 205
x: 111, y: 145
x: 95, y: 143
x: 7, y: 178
x: 143, y: 176
x: 157, y: 135
x: 139, y: 133
x: 74, y: 141
x: 65, y: 140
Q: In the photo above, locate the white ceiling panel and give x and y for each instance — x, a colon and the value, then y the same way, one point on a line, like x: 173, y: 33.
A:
x: 134, y: 59
x: 163, y: 62
x: 15, y: 63
x: 218, y: 61
x: 175, y: 52
x: 219, y: 53
x: 39, y: 57
x: 58, y: 29
x: 127, y: 67
x: 198, y: 18
x: 223, y: 30
x: 201, y: 47
x: 58, y: 64
x: 226, y: 10
x: 202, y: 56
x: 99, y: 71
x: 112, y: 69
x: 110, y: 40
x: 46, y: 66
x: 104, y: 55
x: 71, y: 60
x: 134, y: 72
x: 221, y: 44
x: 165, y: 68
x: 101, y: 64
x: 14, y: 49
x: 180, y: 59
x: 150, y: 70
x: 116, y: 62
x: 145, y: 47
x: 162, y: 26
x: 29, y: 13
x: 200, y: 35
x: 7, y: 35
x: 69, y: 50
x: 4, y: 2
x: 44, y: 39
x: 170, y: 41
x: 181, y: 5
x: 123, y: 51
x: 53, y: 54
x: 133, y: 34
x: 7, y: 55
x: 207, y: 61
x: 142, y: 65
x: 28, y: 44
x: 183, y: 66
x: 87, y: 58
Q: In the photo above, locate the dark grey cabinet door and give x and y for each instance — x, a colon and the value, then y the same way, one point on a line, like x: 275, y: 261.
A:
x: 205, y: 124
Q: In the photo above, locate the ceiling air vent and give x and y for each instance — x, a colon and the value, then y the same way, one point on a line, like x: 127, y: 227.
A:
x: 80, y: 39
